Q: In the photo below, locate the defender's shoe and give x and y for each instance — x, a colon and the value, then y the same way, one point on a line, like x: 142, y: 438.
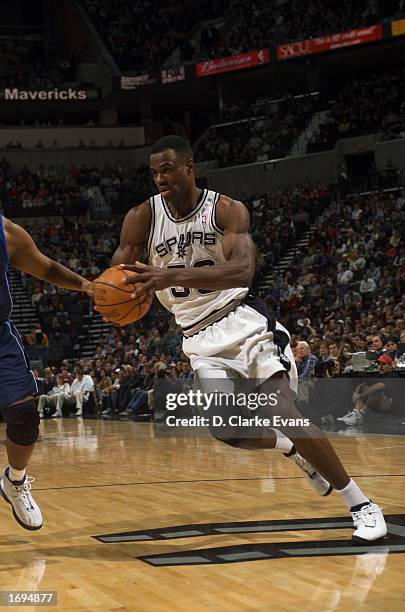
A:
x: 317, y: 482
x: 25, y: 510
x: 369, y: 523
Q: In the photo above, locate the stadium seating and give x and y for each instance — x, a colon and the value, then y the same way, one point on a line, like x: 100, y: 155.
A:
x: 366, y: 105
x: 268, y: 131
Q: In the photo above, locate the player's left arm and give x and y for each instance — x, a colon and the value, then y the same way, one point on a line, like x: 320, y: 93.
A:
x: 238, y: 248
x: 26, y: 257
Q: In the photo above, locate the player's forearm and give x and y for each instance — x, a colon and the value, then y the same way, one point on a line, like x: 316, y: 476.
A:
x: 222, y: 276
x: 59, y: 275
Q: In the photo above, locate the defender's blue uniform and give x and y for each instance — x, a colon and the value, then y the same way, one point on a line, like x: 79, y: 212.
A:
x: 16, y: 379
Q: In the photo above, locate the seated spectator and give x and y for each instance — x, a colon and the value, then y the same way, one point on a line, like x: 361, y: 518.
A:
x: 140, y: 394
x: 51, y: 398
x: 370, y: 399
x: 104, y: 382
x: 306, y: 361
x: 79, y: 393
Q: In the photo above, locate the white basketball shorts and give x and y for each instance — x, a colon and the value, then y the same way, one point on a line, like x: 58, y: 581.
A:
x: 242, y: 345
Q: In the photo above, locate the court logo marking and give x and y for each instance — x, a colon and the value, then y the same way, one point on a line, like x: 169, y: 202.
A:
x: 393, y: 543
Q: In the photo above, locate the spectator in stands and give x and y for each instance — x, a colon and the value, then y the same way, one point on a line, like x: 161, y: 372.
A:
x: 391, y: 347
x: 367, y: 286
x: 38, y: 345
x: 377, y: 342
x: 370, y: 399
x: 140, y: 394
x: 79, y: 393
x: 103, y: 384
x: 306, y: 361
x: 51, y: 398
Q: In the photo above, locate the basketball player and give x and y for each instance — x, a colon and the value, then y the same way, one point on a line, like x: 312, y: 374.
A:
x: 17, y: 382
x: 202, y: 261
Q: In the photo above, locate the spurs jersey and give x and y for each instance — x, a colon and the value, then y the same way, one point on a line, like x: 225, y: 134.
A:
x: 191, y: 241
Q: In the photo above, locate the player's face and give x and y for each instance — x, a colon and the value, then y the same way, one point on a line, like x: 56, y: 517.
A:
x: 172, y: 173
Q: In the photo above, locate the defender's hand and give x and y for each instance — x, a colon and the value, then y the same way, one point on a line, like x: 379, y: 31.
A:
x: 88, y: 287
x: 151, y: 278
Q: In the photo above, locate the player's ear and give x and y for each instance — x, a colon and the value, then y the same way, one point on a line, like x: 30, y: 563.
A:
x: 190, y: 166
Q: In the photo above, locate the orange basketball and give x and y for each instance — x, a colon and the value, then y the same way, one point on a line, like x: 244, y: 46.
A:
x: 112, y: 297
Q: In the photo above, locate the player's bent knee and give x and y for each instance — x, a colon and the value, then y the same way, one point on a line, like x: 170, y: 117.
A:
x: 22, y: 422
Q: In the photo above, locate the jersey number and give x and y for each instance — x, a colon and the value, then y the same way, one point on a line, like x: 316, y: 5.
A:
x: 184, y: 292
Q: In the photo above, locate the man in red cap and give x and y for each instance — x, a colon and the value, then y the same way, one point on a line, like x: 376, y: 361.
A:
x: 374, y: 397
x: 385, y: 364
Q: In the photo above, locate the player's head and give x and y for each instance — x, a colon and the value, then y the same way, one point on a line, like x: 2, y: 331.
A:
x: 172, y: 167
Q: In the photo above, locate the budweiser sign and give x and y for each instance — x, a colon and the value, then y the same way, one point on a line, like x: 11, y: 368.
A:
x: 330, y: 42
x: 233, y: 62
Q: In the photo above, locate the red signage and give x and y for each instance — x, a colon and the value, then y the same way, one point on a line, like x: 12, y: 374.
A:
x: 233, y: 62
x: 330, y: 42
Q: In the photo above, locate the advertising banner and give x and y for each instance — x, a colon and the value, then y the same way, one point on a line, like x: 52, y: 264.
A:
x: 329, y: 42
x: 232, y: 62
x: 173, y: 74
x: 398, y: 27
x: 134, y: 82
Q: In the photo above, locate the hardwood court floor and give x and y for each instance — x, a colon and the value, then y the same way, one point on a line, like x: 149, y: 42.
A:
x: 95, y: 478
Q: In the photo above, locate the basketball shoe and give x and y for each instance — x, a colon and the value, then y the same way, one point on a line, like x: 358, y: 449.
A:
x: 25, y: 510
x: 369, y: 523
x: 317, y: 482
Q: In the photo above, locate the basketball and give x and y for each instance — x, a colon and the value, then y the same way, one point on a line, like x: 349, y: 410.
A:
x: 112, y: 297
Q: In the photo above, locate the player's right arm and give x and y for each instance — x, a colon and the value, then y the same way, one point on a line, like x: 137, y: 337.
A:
x: 25, y: 256
x: 134, y: 235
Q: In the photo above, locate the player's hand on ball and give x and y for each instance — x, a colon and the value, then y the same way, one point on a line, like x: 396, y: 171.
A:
x: 152, y: 278
x: 113, y: 297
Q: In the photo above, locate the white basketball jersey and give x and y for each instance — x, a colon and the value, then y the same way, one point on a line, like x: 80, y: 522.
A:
x: 191, y: 241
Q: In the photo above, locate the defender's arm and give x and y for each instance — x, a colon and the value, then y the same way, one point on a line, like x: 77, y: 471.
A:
x: 25, y: 256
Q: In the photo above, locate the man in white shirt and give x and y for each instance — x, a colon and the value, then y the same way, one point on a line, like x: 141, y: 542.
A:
x: 61, y: 387
x: 79, y: 393
x: 367, y: 285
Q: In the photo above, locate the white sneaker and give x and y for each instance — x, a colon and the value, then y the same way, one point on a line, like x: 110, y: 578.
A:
x: 369, y: 523
x: 317, y: 482
x: 25, y: 510
x: 57, y: 415
x: 352, y: 418
x: 79, y: 413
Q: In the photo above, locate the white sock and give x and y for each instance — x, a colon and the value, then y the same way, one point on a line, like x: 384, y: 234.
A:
x: 282, y: 443
x: 352, y: 495
x: 15, y: 475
